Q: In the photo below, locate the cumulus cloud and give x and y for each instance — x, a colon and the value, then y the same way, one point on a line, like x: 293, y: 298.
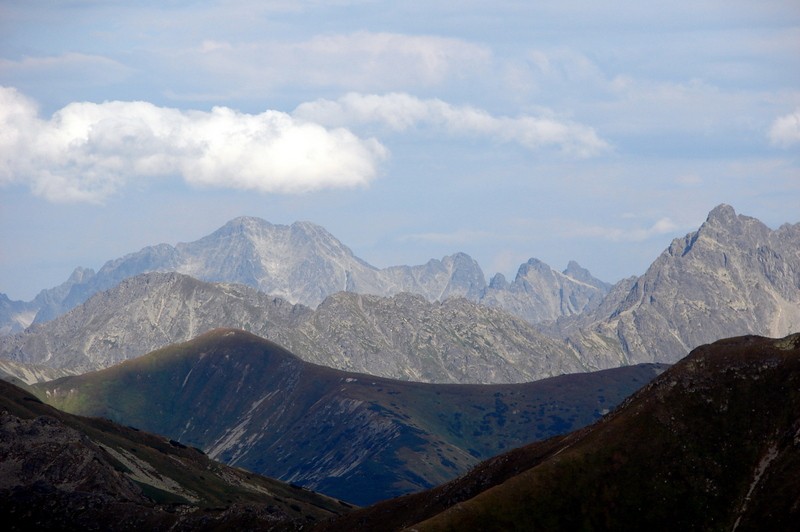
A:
x: 785, y: 130
x: 87, y: 151
x: 399, y: 111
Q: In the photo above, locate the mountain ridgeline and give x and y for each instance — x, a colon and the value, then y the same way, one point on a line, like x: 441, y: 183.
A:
x: 303, y: 263
x: 252, y: 404
x: 402, y: 337
x: 733, y: 275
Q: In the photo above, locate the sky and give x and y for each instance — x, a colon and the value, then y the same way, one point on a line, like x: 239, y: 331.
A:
x: 563, y: 130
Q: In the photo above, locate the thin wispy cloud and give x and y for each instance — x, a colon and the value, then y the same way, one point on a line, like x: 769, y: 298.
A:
x: 88, y: 151
x: 459, y: 237
x: 400, y: 112
x: 73, y: 62
x: 360, y: 60
x: 663, y: 226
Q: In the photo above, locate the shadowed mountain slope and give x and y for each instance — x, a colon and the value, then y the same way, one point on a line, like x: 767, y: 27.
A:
x: 65, y: 472
x: 711, y: 444
x: 253, y: 404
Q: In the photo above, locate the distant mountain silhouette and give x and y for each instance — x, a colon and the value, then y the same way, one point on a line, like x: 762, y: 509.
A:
x: 304, y: 263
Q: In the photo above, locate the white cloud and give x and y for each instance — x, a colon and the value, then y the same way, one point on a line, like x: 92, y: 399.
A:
x: 461, y: 236
x: 399, y: 111
x: 76, y: 66
x: 356, y: 61
x: 87, y: 151
x: 663, y: 226
x: 785, y: 130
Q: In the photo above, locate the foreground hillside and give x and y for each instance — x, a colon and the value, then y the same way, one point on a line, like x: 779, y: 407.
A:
x: 65, y: 472
x: 360, y: 438
x: 711, y: 444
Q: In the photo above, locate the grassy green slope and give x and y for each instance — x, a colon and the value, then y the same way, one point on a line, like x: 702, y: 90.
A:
x: 250, y: 403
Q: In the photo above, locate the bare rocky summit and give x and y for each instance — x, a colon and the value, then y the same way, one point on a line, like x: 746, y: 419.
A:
x: 438, y: 322
x: 541, y: 294
x: 732, y: 276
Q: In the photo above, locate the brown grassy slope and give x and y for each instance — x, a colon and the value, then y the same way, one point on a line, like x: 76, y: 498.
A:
x: 59, y: 471
x: 711, y: 444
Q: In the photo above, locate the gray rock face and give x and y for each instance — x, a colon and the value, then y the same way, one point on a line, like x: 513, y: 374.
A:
x: 539, y: 293
x: 15, y: 315
x: 733, y: 276
x: 407, y: 337
x: 143, y: 313
x: 301, y: 263
x: 403, y: 337
x: 16, y: 372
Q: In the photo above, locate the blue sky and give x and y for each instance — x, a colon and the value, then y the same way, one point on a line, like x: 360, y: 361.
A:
x: 593, y: 131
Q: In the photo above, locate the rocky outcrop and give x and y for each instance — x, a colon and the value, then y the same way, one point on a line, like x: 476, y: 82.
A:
x: 301, y: 263
x: 541, y: 294
x: 404, y: 336
x: 734, y: 275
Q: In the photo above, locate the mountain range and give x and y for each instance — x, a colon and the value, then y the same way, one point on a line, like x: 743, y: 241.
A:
x: 710, y: 444
x: 252, y: 404
x: 403, y: 336
x: 733, y: 275
x: 303, y: 263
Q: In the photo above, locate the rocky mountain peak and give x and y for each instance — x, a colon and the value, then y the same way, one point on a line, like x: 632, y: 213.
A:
x: 246, y: 222
x: 724, y: 224
x: 722, y: 214
x: 534, y: 265
x: 579, y: 273
x: 80, y: 275
x: 733, y: 275
x: 304, y: 263
x: 498, y: 282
